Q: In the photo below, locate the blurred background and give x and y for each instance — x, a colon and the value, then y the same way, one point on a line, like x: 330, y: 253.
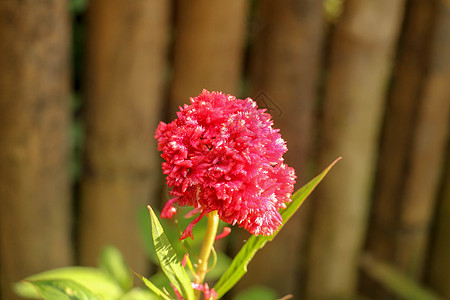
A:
x: 84, y: 83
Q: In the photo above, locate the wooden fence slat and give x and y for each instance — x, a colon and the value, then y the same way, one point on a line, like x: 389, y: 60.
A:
x: 125, y: 68
x: 359, y: 66
x: 35, y: 209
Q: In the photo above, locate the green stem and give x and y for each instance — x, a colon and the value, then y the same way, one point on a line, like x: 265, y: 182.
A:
x: 208, y: 242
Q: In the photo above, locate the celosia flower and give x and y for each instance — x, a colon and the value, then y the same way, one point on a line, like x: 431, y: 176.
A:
x: 222, y: 153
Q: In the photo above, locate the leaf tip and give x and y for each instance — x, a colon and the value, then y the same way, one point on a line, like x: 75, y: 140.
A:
x: 150, y: 209
x: 333, y: 163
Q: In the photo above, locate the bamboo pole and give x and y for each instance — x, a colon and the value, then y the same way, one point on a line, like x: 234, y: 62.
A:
x: 438, y: 270
x: 409, y: 179
x: 285, y: 63
x: 125, y: 67
x: 397, y: 135
x: 35, y: 214
x: 427, y: 154
x: 209, y: 48
x: 359, y: 66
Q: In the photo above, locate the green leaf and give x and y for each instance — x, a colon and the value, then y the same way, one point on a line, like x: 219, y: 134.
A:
x: 77, y: 6
x: 138, y: 293
x: 62, y: 289
x: 146, y: 234
x: 113, y: 264
x: 170, y: 263
x: 93, y: 279
x: 153, y: 287
x: 257, y: 292
x: 394, y: 280
x: 239, y: 264
x: 160, y: 279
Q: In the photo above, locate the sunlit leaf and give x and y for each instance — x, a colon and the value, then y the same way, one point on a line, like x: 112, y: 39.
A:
x: 93, y: 279
x: 239, y: 264
x: 153, y: 287
x: 139, y: 293
x: 62, y: 289
x: 113, y: 264
x: 169, y: 262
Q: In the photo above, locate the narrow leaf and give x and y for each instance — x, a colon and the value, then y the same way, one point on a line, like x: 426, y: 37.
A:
x: 113, y: 264
x: 239, y: 264
x: 62, y: 289
x: 400, y: 284
x: 170, y: 263
x: 153, y: 287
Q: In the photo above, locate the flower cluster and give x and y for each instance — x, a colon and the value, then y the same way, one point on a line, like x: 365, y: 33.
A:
x: 222, y: 153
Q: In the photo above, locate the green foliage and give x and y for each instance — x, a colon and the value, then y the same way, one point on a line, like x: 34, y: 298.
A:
x: 239, y: 264
x: 77, y: 6
x: 98, y: 282
x: 333, y: 9
x: 113, y: 279
x: 63, y: 289
x: 257, y: 292
x: 153, y: 288
x: 397, y: 282
x: 140, y: 294
x: 113, y: 264
x: 169, y: 262
x: 172, y: 231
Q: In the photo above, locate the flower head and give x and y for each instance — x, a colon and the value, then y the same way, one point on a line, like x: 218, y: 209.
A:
x: 222, y: 153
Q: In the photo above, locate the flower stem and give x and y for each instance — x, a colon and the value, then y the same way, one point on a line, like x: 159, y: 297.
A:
x: 208, y: 242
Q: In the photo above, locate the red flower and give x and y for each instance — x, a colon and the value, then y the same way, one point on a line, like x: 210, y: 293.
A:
x: 222, y: 153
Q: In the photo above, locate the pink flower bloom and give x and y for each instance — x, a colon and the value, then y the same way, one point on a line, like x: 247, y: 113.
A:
x: 222, y: 153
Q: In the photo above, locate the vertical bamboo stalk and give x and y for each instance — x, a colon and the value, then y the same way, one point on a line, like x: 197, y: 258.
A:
x: 401, y: 235
x: 208, y: 48
x: 361, y: 51
x: 35, y: 216
x: 397, y: 135
x: 438, y: 271
x: 427, y: 154
x: 400, y: 118
x: 124, y: 78
x: 284, y: 71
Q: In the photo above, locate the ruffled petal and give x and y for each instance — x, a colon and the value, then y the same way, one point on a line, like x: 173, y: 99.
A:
x: 169, y: 210
x: 188, y: 231
x: 226, y: 231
